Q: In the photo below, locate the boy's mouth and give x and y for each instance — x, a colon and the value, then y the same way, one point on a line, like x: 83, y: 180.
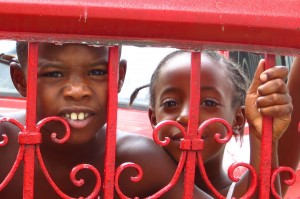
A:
x: 77, y: 118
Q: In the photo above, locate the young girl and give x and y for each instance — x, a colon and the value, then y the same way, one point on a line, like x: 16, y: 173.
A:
x: 223, y: 94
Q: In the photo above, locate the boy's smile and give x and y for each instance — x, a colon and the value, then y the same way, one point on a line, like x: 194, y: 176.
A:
x: 77, y: 117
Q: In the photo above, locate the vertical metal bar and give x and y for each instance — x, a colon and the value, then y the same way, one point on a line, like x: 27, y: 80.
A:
x: 193, y: 123
x: 266, y: 145
x: 109, y: 168
x: 28, y: 183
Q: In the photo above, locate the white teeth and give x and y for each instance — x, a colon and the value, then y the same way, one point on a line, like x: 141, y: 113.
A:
x: 80, y: 116
x: 73, y: 116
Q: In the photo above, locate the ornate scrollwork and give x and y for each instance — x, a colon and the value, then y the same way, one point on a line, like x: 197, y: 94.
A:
x: 75, y: 170
x: 288, y: 182
x: 167, y: 139
x: 252, y: 172
x: 34, y: 138
x: 54, y: 135
x: 20, y: 154
x: 73, y: 173
x: 165, y: 142
x: 217, y: 135
x: 231, y: 169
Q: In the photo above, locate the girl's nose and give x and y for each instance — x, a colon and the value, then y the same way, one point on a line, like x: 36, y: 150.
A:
x: 183, y: 117
x: 77, y: 90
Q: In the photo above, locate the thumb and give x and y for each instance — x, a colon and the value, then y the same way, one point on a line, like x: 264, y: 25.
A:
x: 256, y: 81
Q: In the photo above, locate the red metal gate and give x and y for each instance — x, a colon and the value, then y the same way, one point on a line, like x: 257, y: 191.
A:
x: 270, y: 26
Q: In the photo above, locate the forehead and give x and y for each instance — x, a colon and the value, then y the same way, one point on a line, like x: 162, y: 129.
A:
x: 182, y: 64
x: 74, y: 51
x: 213, y: 74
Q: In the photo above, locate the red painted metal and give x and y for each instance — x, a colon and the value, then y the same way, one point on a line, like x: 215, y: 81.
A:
x: 266, y: 145
x: 272, y: 25
x: 20, y: 154
x: 28, y: 183
x: 109, y: 169
x: 222, y: 24
x: 289, y: 181
x: 192, y: 123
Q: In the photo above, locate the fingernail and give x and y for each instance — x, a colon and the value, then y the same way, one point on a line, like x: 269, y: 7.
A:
x: 263, y: 77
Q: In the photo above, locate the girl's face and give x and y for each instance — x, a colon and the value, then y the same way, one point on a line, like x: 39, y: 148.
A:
x: 172, y: 102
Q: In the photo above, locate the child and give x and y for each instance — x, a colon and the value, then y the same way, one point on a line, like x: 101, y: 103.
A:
x: 290, y: 141
x: 72, y: 84
x: 223, y: 93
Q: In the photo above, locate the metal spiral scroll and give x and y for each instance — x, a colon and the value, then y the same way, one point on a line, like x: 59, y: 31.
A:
x: 139, y: 176
x: 289, y: 182
x: 75, y: 170
x: 20, y: 154
x: 231, y: 169
x: 36, y: 141
x: 183, y: 156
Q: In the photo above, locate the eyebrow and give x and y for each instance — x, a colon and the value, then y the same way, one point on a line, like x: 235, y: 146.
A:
x: 203, y: 89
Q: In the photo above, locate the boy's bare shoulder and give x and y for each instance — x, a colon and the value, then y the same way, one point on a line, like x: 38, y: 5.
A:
x: 142, y: 151
x: 8, y: 128
x: 131, y: 143
x: 20, y: 116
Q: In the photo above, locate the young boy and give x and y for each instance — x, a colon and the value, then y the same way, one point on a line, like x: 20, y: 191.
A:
x: 72, y: 84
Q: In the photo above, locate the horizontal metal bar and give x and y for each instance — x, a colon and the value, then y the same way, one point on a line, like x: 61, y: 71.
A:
x: 272, y: 25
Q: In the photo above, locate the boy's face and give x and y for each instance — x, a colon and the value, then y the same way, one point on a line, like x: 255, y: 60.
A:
x: 73, y: 84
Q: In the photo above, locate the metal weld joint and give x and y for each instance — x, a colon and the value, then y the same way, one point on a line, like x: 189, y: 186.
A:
x: 192, y: 145
x: 30, y: 138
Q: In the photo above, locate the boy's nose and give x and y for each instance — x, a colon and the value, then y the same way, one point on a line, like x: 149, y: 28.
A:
x: 77, y: 90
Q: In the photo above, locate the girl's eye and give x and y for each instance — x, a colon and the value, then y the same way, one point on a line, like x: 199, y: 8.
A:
x: 209, y: 102
x: 54, y: 74
x: 169, y: 103
x: 97, y: 72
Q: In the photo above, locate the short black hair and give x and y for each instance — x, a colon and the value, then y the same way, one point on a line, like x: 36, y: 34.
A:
x: 22, y: 52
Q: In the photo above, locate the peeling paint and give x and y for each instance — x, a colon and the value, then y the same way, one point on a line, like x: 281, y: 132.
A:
x: 85, y: 14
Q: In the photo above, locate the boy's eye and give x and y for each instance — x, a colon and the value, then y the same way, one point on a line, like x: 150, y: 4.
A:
x: 54, y: 74
x: 209, y: 102
x: 97, y: 72
x: 169, y: 103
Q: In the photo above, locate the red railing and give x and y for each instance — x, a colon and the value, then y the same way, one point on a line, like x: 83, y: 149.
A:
x: 272, y: 26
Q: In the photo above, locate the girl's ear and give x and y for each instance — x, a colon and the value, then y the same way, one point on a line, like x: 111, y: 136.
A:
x: 239, y: 121
x: 122, y: 73
x: 152, y: 117
x: 18, y: 78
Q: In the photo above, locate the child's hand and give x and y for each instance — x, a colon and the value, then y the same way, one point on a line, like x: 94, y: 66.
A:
x: 268, y: 96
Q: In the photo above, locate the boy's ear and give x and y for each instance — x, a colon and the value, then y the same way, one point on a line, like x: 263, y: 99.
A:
x: 18, y: 78
x: 152, y: 117
x: 122, y: 73
x: 239, y: 121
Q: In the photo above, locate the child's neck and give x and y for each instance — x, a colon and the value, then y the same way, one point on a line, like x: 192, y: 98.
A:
x: 215, y: 173
x: 84, y: 150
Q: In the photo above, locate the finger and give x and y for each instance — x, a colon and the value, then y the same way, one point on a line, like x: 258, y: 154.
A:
x: 256, y: 81
x: 273, y: 100
x: 277, y: 111
x: 275, y: 72
x: 272, y: 86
